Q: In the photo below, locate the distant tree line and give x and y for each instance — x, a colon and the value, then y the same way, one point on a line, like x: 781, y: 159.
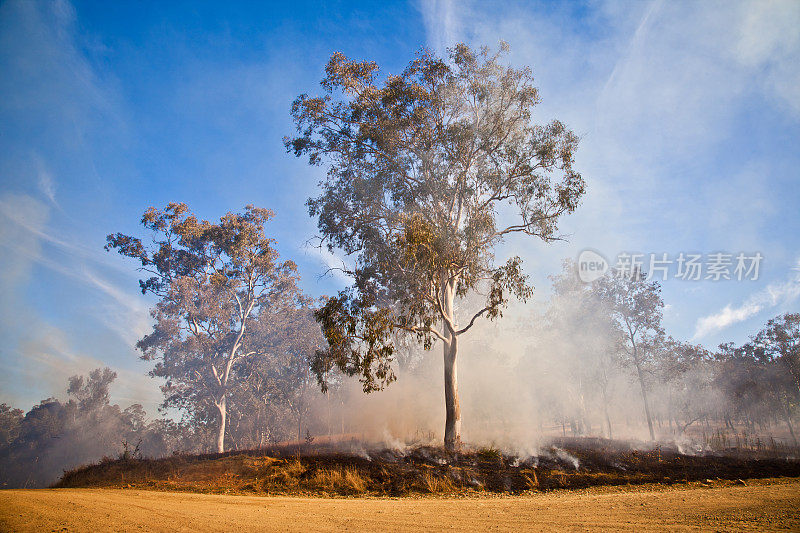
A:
x: 606, y: 337
x: 37, y: 446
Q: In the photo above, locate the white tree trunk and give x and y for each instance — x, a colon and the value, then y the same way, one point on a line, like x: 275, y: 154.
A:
x: 644, y: 392
x: 222, y: 406
x: 605, y: 410
x: 452, y: 426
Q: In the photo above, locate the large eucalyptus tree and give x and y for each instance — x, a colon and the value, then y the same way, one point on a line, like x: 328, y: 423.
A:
x: 428, y: 171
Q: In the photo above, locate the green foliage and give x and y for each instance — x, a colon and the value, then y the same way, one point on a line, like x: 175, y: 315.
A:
x: 634, y: 303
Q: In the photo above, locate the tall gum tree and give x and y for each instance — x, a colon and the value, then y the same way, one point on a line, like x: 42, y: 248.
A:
x: 214, y: 282
x: 420, y: 166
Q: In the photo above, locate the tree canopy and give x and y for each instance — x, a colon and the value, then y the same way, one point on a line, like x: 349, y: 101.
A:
x: 428, y: 171
x: 219, y: 284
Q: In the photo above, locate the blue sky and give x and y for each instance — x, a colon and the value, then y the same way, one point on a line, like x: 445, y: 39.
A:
x: 689, y: 115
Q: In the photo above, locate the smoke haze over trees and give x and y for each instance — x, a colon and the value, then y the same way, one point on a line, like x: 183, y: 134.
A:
x: 55, y: 435
x: 422, y: 167
x: 568, y: 372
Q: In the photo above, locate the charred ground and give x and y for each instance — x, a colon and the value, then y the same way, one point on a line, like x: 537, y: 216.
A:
x: 353, y: 469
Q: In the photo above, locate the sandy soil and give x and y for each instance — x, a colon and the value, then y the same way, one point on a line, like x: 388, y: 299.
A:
x: 760, y: 505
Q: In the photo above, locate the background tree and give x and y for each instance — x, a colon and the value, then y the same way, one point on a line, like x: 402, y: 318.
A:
x: 10, y: 422
x: 420, y: 167
x: 55, y: 436
x: 636, y: 306
x: 779, y: 342
x: 685, y: 373
x: 586, y: 339
x: 214, y: 281
x: 283, y: 377
x: 746, y: 386
x: 767, y: 372
x: 92, y: 393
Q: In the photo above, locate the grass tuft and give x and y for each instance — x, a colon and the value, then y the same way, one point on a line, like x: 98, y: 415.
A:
x: 489, y: 453
x: 337, y: 481
x: 432, y: 483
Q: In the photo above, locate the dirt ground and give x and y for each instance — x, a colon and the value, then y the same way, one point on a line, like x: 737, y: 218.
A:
x: 760, y: 505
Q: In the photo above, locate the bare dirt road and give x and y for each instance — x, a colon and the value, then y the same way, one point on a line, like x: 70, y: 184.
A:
x: 772, y: 505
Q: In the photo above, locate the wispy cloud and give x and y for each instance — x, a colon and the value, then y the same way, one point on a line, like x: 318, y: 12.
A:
x: 25, y: 213
x: 48, y: 359
x: 46, y: 183
x: 442, y: 19
x: 772, y: 296
x: 22, y: 220
x: 769, y: 43
x: 121, y: 312
x: 40, y: 355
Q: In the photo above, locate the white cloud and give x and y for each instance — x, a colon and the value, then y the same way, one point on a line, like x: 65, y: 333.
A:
x: 724, y: 318
x: 769, y: 44
x: 773, y: 295
x: 38, y: 354
x: 443, y: 22
x: 46, y: 183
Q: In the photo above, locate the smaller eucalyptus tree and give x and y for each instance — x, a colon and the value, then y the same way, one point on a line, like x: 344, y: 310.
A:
x: 285, y: 377
x: 589, y: 342
x: 213, y: 280
x: 686, y: 373
x: 779, y: 342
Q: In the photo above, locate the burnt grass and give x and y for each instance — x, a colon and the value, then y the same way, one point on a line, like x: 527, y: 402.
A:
x: 327, y: 471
